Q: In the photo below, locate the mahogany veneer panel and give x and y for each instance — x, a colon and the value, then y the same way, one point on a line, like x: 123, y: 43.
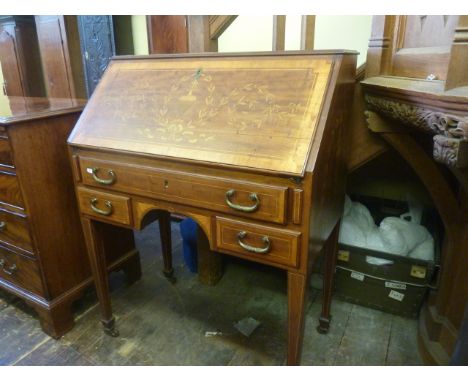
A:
x: 114, y: 207
x: 10, y: 192
x: 5, y: 152
x: 21, y: 272
x: 283, y: 244
x: 14, y: 230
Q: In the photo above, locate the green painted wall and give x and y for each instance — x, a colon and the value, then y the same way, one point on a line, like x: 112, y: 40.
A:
x: 123, y: 34
x: 140, y: 36
x: 343, y: 32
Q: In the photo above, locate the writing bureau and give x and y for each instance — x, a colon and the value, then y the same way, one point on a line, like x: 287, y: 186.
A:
x: 42, y: 252
x: 251, y: 146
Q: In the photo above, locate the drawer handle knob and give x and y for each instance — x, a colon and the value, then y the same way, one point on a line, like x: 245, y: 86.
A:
x: 107, y: 182
x: 242, y: 234
x: 253, y: 196
x: 8, y: 270
x: 2, y: 225
x: 99, y: 211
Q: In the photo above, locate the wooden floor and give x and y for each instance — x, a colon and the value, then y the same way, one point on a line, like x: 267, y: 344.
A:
x: 165, y: 324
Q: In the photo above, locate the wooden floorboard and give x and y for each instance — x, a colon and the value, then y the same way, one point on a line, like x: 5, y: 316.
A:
x: 161, y: 323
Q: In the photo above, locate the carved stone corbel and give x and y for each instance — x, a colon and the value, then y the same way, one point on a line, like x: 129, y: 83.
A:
x: 451, y: 131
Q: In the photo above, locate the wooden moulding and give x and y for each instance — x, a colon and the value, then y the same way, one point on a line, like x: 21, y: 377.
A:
x: 218, y: 24
x: 450, y: 130
x: 185, y: 33
x: 457, y: 75
x: 364, y: 144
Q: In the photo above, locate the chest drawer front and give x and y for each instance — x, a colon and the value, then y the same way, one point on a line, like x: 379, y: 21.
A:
x: 21, y: 271
x: 252, y: 241
x: 6, y: 157
x: 105, y: 206
x: 14, y: 230
x: 247, y: 199
x: 10, y: 192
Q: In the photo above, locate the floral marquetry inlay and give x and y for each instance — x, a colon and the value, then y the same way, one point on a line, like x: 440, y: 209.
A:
x: 251, y: 115
x: 237, y: 105
x: 188, y: 106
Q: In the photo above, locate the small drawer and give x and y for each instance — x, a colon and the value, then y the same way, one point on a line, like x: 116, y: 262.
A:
x: 6, y: 158
x: 21, y: 271
x: 14, y: 230
x: 105, y: 206
x: 237, y: 197
x: 256, y: 242
x: 10, y: 192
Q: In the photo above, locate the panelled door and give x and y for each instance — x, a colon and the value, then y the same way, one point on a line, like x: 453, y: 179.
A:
x: 12, y: 84
x: 55, y: 60
x: 97, y: 47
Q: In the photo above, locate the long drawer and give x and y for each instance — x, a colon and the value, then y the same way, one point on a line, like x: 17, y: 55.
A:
x: 20, y: 271
x: 105, y: 206
x: 10, y: 192
x: 14, y: 230
x: 256, y: 242
x: 248, y: 199
x: 6, y: 158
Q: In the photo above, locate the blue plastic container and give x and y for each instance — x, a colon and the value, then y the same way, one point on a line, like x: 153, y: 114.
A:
x: 188, y: 230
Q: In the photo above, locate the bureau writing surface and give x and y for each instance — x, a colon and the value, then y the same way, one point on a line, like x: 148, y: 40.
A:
x: 260, y: 115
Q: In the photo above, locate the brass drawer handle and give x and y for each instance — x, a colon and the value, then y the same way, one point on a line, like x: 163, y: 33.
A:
x: 8, y: 270
x: 2, y: 225
x: 242, y: 234
x: 108, y: 204
x: 253, y: 196
x: 107, y: 182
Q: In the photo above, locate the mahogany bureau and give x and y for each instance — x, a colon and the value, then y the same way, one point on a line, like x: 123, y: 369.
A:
x: 42, y: 254
x: 251, y: 146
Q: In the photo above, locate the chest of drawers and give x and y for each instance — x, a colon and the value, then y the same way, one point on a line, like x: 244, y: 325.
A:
x: 250, y: 146
x: 43, y: 258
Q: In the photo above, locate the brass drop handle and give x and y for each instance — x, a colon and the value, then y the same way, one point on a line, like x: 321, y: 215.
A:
x: 242, y: 234
x: 8, y: 270
x: 99, y: 211
x: 253, y: 196
x: 107, y: 182
x: 2, y: 225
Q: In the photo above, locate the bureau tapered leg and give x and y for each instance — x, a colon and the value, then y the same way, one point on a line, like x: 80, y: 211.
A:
x: 297, y: 301
x: 132, y: 269
x: 166, y: 243
x: 210, y: 268
x: 330, y: 254
x: 97, y: 258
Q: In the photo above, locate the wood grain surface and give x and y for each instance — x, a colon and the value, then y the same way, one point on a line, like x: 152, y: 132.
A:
x: 179, y: 132
x: 259, y: 113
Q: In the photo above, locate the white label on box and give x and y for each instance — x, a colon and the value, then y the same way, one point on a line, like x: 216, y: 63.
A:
x: 357, y: 276
x: 389, y: 284
x: 396, y: 295
x: 89, y: 170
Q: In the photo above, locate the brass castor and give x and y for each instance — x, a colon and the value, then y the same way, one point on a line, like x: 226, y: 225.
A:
x: 170, y: 275
x: 109, y: 328
x: 324, y: 325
